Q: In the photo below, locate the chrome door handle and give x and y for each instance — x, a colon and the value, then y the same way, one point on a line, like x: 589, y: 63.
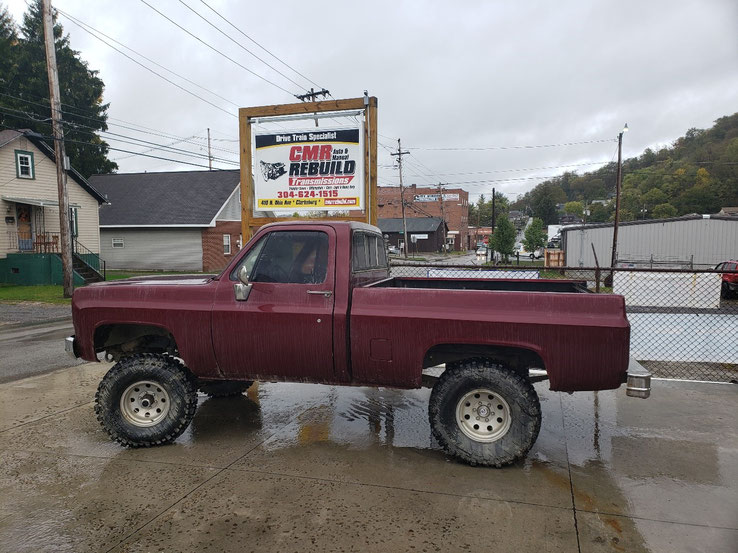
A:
x: 326, y: 293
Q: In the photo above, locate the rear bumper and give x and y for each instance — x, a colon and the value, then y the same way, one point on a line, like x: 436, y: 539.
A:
x: 638, y: 383
x: 69, y: 347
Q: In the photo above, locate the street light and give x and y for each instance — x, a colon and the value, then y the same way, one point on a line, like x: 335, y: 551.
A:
x: 617, y: 196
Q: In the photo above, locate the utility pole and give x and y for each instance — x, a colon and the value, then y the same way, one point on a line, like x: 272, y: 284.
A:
x: 312, y: 96
x: 443, y: 215
x: 58, y: 131
x: 494, y: 215
x: 210, y: 156
x: 617, y: 197
x: 399, y: 153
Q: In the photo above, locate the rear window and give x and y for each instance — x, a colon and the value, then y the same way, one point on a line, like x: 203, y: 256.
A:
x: 367, y: 252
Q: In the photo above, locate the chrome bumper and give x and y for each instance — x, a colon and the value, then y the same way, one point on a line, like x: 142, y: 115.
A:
x: 639, y: 380
x: 69, y: 346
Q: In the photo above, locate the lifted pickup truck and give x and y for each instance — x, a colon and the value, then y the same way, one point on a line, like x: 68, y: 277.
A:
x: 314, y: 302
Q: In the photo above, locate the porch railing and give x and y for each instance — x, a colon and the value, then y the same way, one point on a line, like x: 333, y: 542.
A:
x: 37, y: 242
x: 88, y: 256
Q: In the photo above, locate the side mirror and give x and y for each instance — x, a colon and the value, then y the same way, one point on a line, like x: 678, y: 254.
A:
x: 242, y: 289
x: 243, y: 274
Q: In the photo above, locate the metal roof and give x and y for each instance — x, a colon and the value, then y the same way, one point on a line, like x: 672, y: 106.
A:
x: 691, y: 217
x: 36, y: 201
x: 168, y: 199
x: 414, y: 224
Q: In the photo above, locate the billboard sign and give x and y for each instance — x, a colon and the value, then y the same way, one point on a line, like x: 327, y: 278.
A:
x: 434, y: 197
x: 315, y: 170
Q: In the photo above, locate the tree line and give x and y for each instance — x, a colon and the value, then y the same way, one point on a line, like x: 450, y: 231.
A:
x: 698, y: 173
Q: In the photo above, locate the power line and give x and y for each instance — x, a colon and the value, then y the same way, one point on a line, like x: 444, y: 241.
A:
x: 154, y: 72
x: 221, y: 31
x: 522, y: 169
x: 475, y: 149
x: 138, y: 141
x: 81, y: 23
x: 146, y: 151
x: 106, y: 123
x: 259, y: 45
x: 214, y: 49
x: 128, y: 151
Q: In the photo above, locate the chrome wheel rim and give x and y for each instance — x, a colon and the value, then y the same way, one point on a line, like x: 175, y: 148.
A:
x: 483, y: 415
x: 144, y: 403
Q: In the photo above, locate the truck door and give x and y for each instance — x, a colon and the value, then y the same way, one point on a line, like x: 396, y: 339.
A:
x: 284, y: 329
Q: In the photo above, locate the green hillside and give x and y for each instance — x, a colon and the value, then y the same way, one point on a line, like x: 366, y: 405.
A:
x: 697, y: 174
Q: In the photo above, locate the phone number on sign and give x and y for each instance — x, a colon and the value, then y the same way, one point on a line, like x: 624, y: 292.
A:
x: 308, y: 194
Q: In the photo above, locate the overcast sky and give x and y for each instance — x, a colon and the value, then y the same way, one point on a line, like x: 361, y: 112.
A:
x: 447, y: 75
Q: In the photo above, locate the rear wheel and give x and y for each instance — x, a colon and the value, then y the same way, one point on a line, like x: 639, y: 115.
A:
x: 224, y: 388
x: 146, y: 400
x: 484, y: 413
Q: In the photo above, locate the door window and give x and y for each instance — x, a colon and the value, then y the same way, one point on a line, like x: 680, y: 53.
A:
x: 290, y: 257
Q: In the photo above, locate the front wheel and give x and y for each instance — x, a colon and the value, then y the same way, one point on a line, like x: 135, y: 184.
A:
x: 146, y: 400
x: 484, y: 414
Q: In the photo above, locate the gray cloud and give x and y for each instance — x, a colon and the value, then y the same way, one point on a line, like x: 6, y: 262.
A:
x: 446, y: 74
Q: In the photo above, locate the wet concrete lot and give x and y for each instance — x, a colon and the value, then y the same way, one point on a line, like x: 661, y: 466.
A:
x: 314, y: 468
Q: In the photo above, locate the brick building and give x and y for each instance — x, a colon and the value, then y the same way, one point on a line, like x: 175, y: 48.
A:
x: 183, y: 220
x: 422, y: 201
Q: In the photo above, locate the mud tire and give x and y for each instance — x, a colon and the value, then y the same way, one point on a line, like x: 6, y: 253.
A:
x: 524, y: 407
x: 164, y: 370
x: 224, y: 388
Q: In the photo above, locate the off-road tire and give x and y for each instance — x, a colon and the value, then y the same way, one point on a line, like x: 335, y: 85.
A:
x: 224, y: 388
x: 165, y: 371
x: 524, y: 412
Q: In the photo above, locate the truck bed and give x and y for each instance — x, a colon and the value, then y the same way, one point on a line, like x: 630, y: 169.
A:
x: 580, y: 338
x: 507, y: 285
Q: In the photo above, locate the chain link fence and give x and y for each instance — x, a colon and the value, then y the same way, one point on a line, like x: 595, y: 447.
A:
x: 684, y: 323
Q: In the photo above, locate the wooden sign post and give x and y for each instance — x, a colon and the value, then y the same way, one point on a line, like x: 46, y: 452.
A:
x: 245, y: 116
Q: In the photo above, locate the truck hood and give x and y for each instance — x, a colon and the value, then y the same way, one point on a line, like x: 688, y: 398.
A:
x: 163, y: 280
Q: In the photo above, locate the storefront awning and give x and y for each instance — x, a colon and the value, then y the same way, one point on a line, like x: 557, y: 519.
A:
x: 39, y: 203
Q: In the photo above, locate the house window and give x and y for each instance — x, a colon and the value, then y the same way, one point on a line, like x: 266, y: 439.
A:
x: 119, y: 243
x: 226, y: 244
x: 24, y: 165
x: 74, y: 221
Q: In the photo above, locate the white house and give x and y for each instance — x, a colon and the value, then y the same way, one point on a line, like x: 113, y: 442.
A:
x: 30, y: 242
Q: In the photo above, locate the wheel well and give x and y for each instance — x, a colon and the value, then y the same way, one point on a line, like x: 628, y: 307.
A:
x: 120, y: 340
x: 516, y: 358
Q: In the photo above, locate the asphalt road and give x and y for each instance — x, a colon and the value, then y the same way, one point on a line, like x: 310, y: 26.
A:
x: 34, y: 349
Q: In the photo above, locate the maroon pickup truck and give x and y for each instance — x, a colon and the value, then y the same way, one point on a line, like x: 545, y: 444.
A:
x: 314, y: 302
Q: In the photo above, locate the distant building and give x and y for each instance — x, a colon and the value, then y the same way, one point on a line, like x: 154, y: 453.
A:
x: 700, y: 241
x: 569, y: 219
x: 428, y: 232
x: 177, y: 220
x: 732, y: 211
x: 480, y: 234
x: 422, y: 202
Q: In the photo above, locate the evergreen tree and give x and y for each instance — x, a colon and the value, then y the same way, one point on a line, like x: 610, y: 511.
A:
x: 24, y: 79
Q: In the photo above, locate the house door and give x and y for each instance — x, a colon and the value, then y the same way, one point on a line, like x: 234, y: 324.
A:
x: 25, y: 227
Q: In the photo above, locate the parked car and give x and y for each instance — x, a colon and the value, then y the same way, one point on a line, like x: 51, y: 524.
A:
x: 314, y: 302
x: 520, y: 250
x: 393, y: 250
x: 729, y: 286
